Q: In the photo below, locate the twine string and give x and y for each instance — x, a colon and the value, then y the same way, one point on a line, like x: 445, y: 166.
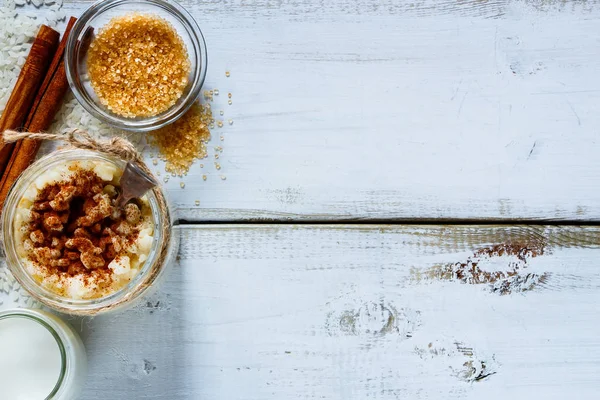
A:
x: 117, y: 146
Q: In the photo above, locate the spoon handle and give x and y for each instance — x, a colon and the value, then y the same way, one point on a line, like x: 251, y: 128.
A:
x: 134, y: 183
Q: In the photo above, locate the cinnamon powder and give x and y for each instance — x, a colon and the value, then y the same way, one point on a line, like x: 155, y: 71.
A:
x: 76, y: 229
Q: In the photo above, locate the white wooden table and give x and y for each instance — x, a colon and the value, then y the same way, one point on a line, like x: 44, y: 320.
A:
x: 409, y: 210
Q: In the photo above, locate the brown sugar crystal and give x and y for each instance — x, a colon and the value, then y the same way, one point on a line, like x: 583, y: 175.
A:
x: 138, y: 65
x: 184, y: 141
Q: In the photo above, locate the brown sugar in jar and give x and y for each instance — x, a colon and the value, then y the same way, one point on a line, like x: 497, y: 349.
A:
x: 138, y: 65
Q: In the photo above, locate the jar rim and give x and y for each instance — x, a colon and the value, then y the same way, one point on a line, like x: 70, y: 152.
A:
x: 141, y: 281
x: 38, y: 317
x: 199, y: 54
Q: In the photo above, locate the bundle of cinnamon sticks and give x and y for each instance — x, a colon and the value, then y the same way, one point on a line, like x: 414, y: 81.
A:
x: 33, y: 103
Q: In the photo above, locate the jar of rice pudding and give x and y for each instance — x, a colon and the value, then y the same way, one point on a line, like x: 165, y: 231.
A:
x: 71, y: 247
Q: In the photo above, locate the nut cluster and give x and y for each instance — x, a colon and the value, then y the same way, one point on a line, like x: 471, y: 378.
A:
x: 138, y: 65
x: 75, y: 227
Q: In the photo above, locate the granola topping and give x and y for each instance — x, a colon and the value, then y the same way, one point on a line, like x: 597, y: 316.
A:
x: 74, y: 240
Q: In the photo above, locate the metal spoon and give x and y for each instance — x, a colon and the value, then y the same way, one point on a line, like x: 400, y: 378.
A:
x: 134, y: 183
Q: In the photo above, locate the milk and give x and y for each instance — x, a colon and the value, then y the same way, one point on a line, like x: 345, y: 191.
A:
x: 30, y: 359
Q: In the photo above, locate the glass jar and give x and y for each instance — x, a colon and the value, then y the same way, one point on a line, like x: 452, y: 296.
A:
x: 101, y: 13
x: 71, y: 362
x: 163, y: 249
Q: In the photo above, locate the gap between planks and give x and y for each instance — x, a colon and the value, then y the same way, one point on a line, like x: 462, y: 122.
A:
x: 401, y: 222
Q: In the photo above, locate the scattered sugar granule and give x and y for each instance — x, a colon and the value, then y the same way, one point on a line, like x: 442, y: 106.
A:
x: 182, y: 142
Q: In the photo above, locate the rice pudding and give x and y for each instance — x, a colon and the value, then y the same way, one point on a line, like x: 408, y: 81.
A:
x: 73, y: 240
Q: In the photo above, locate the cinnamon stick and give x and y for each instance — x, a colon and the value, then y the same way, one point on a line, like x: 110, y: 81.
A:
x: 41, y: 115
x: 26, y: 88
x: 57, y: 60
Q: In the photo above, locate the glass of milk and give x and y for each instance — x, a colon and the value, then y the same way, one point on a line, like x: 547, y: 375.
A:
x: 41, y: 357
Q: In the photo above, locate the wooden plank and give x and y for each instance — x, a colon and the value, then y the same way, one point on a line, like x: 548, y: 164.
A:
x: 350, y: 110
x: 361, y: 312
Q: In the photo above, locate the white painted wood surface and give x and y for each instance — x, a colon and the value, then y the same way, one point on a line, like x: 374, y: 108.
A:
x: 364, y: 109
x: 381, y: 110
x: 359, y: 312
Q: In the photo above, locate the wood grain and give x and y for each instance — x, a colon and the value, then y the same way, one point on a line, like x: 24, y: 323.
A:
x: 347, y: 110
x: 345, y: 312
x: 389, y: 110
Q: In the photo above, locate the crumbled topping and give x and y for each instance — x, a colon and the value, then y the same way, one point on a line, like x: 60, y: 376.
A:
x: 77, y: 229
